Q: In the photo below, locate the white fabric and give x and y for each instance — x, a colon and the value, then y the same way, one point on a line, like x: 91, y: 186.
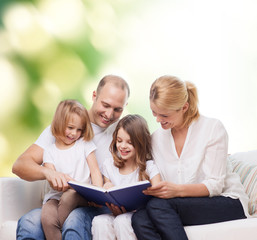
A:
x: 108, y: 227
x: 23, y: 196
x: 202, y: 160
x: 117, y: 179
x: 243, y: 229
x: 17, y: 197
x: 71, y: 161
x: 102, y: 139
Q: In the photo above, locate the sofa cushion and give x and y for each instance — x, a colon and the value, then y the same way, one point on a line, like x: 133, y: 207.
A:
x: 245, y: 165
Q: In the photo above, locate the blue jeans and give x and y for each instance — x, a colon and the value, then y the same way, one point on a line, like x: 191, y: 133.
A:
x: 165, y: 219
x: 77, y: 225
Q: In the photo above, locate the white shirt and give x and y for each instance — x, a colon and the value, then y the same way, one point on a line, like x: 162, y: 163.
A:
x: 202, y: 160
x: 113, y: 174
x: 71, y: 161
x: 102, y: 139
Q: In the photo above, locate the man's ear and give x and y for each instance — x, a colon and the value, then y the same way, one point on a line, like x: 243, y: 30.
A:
x: 185, y: 107
x: 94, y: 95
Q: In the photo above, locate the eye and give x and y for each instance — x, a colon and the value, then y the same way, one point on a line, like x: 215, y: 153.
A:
x: 118, y: 109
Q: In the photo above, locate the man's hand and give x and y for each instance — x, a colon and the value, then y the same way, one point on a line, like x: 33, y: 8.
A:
x: 57, y: 180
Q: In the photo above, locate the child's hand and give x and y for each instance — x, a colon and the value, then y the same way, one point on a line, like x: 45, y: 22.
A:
x: 115, y: 209
x: 108, y: 185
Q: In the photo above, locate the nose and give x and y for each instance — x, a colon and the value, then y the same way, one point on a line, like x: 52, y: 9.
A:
x: 123, y: 145
x: 73, y: 131
x: 109, y: 113
x: 158, y: 119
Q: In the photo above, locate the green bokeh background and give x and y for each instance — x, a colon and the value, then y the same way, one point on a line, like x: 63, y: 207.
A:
x: 50, y: 50
x: 56, y: 49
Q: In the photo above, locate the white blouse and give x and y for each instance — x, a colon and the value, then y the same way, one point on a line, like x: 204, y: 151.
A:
x: 203, y: 159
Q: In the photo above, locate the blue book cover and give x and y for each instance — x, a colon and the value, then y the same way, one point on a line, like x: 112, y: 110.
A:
x: 129, y: 196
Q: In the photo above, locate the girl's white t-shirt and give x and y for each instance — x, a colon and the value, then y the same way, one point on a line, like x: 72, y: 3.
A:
x: 202, y: 160
x: 113, y: 174
x: 102, y: 139
x: 71, y: 161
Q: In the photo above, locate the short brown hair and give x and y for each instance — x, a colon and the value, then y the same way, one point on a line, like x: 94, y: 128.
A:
x: 137, y: 128
x: 116, y: 81
x: 171, y: 93
x: 63, y: 114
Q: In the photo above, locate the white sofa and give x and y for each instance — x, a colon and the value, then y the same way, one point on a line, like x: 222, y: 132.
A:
x: 17, y: 197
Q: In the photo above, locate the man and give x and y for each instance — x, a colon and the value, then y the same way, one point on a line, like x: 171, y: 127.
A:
x: 109, y: 101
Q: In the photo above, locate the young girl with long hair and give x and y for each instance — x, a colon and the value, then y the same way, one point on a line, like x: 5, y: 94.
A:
x: 72, y: 156
x: 132, y: 153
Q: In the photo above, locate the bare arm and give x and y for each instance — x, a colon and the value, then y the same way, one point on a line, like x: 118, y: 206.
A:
x: 156, y: 179
x: 96, y: 176
x: 28, y: 167
x: 170, y: 190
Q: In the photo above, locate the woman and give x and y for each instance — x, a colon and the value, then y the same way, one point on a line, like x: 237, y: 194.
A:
x: 190, y: 151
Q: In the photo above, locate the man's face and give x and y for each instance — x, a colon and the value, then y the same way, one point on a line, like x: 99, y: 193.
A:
x: 108, y: 105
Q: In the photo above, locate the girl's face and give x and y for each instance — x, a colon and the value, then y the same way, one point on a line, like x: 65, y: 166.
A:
x: 73, y: 129
x: 168, y: 119
x: 124, y: 145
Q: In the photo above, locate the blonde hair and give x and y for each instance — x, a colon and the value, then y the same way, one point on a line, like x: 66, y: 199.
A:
x: 170, y: 93
x: 62, y: 116
x: 137, y: 128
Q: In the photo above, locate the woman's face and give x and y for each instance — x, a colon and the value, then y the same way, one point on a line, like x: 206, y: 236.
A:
x: 168, y: 118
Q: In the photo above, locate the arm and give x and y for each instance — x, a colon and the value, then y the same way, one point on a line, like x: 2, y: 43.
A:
x: 156, y: 179
x: 165, y: 189
x: 95, y: 173
x: 28, y: 167
x: 107, y: 183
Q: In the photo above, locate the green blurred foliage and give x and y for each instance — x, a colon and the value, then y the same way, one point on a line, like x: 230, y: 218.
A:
x: 49, y: 50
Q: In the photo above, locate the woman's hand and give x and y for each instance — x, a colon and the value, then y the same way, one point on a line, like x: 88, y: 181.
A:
x: 163, y: 190
x: 115, y: 209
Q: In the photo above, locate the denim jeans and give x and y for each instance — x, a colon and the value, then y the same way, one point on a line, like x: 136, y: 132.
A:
x: 77, y: 225
x: 165, y: 218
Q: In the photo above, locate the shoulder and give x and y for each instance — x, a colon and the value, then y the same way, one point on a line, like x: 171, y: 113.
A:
x: 206, y: 122
x: 46, y: 138
x: 108, y: 162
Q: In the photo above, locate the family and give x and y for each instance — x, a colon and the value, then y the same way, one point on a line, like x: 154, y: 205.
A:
x: 185, y: 161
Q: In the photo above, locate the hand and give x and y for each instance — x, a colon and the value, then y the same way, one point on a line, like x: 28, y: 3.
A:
x: 163, y: 190
x: 107, y: 185
x: 58, y: 181
x: 115, y: 209
x: 92, y: 204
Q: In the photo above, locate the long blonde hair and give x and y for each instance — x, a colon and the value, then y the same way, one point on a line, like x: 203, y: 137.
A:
x: 137, y: 129
x: 63, y: 114
x: 169, y: 92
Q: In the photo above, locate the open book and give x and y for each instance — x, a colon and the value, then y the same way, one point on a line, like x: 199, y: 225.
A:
x: 129, y: 196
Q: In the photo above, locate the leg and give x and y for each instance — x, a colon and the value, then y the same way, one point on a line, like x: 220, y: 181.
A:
x: 170, y: 215
x: 102, y: 227
x: 29, y: 226
x: 50, y: 221
x: 143, y: 226
x: 78, y: 224
x: 68, y: 202
x: 123, y: 228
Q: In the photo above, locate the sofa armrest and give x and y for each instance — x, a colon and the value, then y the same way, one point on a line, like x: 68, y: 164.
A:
x: 18, y: 196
